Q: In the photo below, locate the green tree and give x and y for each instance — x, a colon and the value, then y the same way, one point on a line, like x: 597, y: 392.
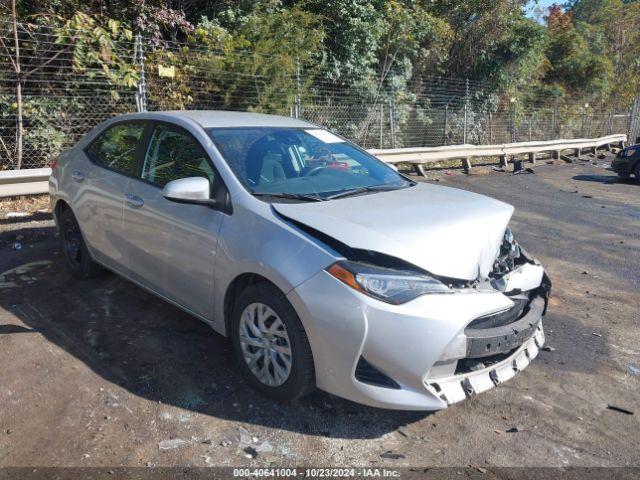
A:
x: 577, y: 55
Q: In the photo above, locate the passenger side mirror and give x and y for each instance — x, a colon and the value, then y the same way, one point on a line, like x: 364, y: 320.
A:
x: 189, y: 190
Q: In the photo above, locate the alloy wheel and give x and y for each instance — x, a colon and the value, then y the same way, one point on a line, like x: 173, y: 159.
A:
x: 265, y: 344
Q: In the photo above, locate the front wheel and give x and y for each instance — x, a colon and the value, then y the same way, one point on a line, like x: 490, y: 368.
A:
x: 270, y: 343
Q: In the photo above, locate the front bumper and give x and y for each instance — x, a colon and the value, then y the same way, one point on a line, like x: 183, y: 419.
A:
x: 423, y: 347
x: 622, y: 166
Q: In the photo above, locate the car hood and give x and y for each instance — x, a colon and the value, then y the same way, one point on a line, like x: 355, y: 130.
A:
x: 446, y: 231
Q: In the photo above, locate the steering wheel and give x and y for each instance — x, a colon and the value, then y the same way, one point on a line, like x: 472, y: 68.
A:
x: 314, y: 171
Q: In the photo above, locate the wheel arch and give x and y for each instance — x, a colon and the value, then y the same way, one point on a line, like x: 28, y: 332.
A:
x: 235, y: 288
x: 60, y: 206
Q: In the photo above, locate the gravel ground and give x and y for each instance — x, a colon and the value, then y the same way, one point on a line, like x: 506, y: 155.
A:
x: 100, y: 373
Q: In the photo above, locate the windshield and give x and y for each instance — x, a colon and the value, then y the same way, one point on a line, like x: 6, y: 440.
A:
x: 302, y: 164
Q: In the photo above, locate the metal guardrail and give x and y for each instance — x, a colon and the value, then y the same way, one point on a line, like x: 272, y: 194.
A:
x: 421, y: 156
x: 30, y: 181
x: 36, y: 180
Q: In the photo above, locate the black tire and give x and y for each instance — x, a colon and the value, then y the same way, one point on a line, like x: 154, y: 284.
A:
x: 636, y: 172
x: 301, y: 379
x: 76, y: 255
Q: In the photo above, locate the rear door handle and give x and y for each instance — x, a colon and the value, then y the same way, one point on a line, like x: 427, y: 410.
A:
x: 77, y: 175
x: 133, y: 201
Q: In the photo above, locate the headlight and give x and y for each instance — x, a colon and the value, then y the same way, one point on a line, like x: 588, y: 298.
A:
x: 391, y: 286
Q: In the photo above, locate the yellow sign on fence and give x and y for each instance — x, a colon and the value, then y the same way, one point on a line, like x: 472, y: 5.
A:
x: 169, y: 72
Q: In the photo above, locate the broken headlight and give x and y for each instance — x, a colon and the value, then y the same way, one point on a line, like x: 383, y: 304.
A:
x: 509, y: 252
x: 388, y: 285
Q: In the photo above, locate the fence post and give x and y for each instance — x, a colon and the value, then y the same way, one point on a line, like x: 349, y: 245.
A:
x: 554, y: 121
x: 381, y: 123
x: 610, y: 123
x: 392, y: 123
x: 141, y: 94
x: 19, y: 102
x: 298, y: 99
x: 445, y: 126
x: 512, y: 126
x: 634, y: 121
x: 466, y: 110
x: 490, y: 128
x: 530, y: 126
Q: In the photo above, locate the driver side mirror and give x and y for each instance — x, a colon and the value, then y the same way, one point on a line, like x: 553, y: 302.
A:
x: 195, y: 190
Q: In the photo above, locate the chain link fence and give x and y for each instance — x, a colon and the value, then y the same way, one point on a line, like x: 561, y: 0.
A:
x: 59, y: 84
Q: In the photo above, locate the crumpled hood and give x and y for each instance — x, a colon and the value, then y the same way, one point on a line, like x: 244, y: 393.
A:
x: 446, y: 231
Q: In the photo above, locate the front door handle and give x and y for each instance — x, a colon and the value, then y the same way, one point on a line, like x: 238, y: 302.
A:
x: 133, y: 201
x: 77, y: 175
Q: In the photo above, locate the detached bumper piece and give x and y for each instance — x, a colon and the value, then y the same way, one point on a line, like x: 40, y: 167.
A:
x: 497, y: 347
x: 460, y: 386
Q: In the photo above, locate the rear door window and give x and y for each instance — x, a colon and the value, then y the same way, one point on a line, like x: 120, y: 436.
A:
x: 116, y: 147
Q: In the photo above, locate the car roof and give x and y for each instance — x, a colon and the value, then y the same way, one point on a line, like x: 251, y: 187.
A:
x: 222, y: 118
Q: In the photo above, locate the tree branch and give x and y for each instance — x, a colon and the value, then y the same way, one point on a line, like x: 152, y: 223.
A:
x: 46, y: 62
x: 15, y: 67
x: 5, y: 148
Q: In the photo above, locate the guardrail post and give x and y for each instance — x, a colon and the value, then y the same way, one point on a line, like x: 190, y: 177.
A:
x: 466, y: 165
x: 419, y: 169
x: 503, y: 161
x: 532, y: 158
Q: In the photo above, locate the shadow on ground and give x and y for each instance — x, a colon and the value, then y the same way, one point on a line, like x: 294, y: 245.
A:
x: 155, y: 351
x: 603, y: 179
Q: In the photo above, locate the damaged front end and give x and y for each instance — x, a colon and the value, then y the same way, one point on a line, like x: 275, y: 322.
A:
x: 492, y: 348
x: 401, y: 332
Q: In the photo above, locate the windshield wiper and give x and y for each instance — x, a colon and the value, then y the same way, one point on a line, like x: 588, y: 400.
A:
x: 359, y: 190
x: 294, y: 196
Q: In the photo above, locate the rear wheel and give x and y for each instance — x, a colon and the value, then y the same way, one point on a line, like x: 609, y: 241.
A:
x: 76, y: 255
x: 636, y: 173
x: 270, y: 343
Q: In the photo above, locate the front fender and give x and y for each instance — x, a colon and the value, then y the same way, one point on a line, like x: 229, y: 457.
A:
x: 256, y: 240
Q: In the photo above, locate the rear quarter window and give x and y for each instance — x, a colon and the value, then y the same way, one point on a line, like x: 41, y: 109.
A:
x: 116, y: 147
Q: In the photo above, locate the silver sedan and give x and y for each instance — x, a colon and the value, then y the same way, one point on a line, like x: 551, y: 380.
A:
x: 326, y: 267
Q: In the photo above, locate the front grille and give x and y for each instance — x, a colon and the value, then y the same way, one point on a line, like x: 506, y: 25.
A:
x: 367, y: 373
x: 467, y: 365
x: 505, y: 331
x: 501, y: 318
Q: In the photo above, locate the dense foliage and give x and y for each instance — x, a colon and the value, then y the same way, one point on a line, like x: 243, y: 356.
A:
x: 591, y: 46
x: 363, y: 67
